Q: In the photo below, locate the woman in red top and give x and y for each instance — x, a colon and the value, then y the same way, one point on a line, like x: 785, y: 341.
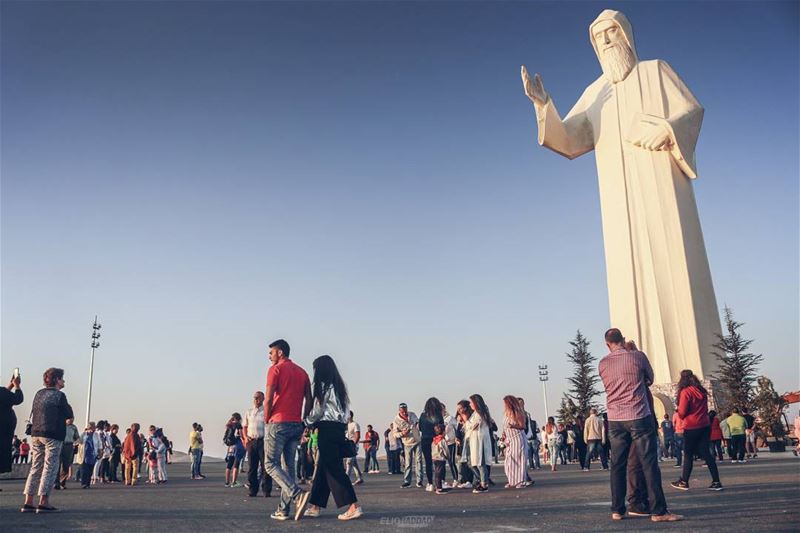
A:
x: 24, y: 450
x: 693, y: 412
x: 716, y: 435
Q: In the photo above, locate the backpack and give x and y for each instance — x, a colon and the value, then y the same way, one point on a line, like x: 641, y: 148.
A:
x: 230, y: 436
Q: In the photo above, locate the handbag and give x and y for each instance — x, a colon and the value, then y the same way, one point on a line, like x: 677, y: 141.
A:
x: 348, y: 449
x: 29, y: 424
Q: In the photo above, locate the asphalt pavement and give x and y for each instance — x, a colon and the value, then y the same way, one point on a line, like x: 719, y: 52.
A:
x: 762, y: 495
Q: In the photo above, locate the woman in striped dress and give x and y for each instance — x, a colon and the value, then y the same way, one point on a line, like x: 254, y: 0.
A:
x: 516, y: 444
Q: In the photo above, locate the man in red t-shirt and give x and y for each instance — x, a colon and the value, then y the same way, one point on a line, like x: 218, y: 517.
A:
x: 288, y: 387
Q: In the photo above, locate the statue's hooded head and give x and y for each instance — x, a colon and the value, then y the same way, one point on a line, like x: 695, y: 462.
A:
x: 612, y: 38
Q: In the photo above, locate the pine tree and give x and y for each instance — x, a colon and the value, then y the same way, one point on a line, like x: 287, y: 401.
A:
x: 737, y: 366
x: 568, y: 410
x: 584, y: 380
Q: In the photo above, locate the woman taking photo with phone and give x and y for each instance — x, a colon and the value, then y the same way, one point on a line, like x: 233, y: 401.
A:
x: 329, y: 416
x: 9, y: 397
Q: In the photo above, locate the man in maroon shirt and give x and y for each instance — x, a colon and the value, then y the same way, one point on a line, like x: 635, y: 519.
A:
x: 626, y: 375
x: 288, y: 387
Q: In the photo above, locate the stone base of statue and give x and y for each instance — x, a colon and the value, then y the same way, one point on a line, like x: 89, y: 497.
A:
x: 664, y: 395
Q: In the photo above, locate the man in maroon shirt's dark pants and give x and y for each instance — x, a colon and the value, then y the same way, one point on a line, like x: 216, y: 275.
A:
x: 626, y: 375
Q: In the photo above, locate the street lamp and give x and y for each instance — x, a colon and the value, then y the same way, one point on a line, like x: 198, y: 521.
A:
x: 95, y: 345
x: 543, y: 377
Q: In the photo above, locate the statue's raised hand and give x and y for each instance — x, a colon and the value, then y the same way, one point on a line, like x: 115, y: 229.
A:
x: 534, y: 89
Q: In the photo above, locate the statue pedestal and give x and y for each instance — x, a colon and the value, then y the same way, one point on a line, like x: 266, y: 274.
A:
x: 664, y: 395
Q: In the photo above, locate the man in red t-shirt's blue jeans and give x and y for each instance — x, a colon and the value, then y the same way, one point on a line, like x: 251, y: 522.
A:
x: 288, y: 387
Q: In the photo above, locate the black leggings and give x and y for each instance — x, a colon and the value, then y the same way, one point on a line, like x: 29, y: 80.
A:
x: 451, y: 449
x: 716, y: 448
x: 330, y: 477
x: 695, y: 442
x: 425, y: 446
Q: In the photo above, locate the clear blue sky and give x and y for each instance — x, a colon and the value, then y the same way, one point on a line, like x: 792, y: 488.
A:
x: 362, y: 179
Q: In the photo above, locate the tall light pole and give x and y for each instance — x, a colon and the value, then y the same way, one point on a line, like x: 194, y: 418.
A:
x: 543, y: 376
x: 95, y: 345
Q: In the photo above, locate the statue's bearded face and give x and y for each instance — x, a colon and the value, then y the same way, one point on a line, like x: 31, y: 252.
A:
x: 616, y: 57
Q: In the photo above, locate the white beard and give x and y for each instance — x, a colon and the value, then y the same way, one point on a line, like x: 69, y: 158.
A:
x: 617, y: 62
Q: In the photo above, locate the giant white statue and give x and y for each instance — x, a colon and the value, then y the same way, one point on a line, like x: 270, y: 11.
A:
x: 642, y: 123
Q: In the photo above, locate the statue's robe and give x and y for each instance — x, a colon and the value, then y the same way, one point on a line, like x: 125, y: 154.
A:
x: 659, y: 283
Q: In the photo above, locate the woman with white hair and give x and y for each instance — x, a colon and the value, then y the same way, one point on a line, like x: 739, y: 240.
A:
x: 49, y: 416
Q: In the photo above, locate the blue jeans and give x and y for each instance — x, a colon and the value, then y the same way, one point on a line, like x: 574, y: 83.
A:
x: 667, y: 447
x: 677, y: 446
x: 281, y: 440
x: 371, y: 460
x: 591, y: 447
x: 413, y: 456
x: 481, y: 474
x: 533, y: 454
x: 196, y: 453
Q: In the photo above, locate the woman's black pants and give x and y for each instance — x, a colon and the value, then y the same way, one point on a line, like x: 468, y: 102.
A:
x: 425, y: 445
x: 695, y: 442
x: 330, y: 477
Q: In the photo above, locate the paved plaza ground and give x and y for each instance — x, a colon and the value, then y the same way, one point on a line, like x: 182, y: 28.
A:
x: 762, y: 495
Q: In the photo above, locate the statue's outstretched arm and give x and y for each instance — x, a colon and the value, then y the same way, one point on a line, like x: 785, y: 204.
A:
x: 570, y: 137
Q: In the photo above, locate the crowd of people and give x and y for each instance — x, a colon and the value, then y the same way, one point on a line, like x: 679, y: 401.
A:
x: 301, y: 431
x: 425, y: 449
x: 58, y: 450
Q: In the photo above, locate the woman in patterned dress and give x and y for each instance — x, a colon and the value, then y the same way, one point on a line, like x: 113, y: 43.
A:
x: 516, y: 449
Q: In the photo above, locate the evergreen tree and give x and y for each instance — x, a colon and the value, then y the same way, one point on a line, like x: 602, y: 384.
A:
x: 568, y: 410
x: 584, y: 379
x: 737, y: 366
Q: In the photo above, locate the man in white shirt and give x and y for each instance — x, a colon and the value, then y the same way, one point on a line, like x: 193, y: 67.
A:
x: 253, y: 437
x: 351, y: 463
x: 406, y: 428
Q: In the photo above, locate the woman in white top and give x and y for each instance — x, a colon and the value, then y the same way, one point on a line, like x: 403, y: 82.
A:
x: 553, y: 439
x: 480, y: 442
x: 329, y: 415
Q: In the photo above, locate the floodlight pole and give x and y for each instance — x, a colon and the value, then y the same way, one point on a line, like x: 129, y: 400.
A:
x: 543, y: 377
x: 95, y: 344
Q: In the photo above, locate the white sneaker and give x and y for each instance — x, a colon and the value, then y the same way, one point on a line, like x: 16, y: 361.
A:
x: 465, y: 485
x: 429, y: 488
x: 446, y: 485
x: 358, y: 513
